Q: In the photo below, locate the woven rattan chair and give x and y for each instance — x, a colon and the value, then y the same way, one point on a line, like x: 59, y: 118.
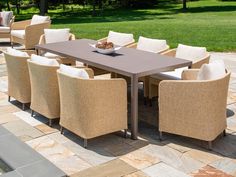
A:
x: 18, y: 79
x: 5, y: 30
x: 61, y: 59
x: 193, y: 108
x: 91, y: 108
x: 44, y: 90
x: 27, y: 34
x: 154, y: 80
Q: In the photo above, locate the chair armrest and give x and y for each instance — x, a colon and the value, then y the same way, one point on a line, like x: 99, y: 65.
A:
x: 21, y: 25
x: 197, y: 64
x: 190, y: 74
x: 72, y: 37
x: 170, y: 53
x: 102, y: 40
x: 134, y: 45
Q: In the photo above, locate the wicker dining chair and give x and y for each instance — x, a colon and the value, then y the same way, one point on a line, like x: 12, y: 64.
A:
x: 28, y: 32
x: 61, y: 59
x: 44, y: 90
x: 18, y: 79
x: 5, y: 28
x: 90, y: 107
x: 193, y: 108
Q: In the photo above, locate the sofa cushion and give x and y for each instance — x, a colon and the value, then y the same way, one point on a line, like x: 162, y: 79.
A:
x: 37, y: 19
x: 16, y: 53
x: 18, y: 33
x: 151, y: 45
x: 6, y: 18
x: 43, y: 60
x: 190, y: 53
x: 170, y: 75
x: 4, y: 29
x: 56, y: 35
x: 211, y: 71
x: 120, y: 39
x: 74, y: 72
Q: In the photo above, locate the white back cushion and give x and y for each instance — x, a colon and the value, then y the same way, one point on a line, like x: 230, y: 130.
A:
x: 120, y: 39
x: 56, y: 35
x: 74, y: 72
x: 151, y: 45
x: 6, y: 17
x: 36, y: 19
x: 211, y: 71
x: 190, y: 53
x: 43, y: 60
x: 16, y: 53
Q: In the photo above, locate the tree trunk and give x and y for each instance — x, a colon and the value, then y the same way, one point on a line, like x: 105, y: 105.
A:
x: 94, y: 7
x: 8, y: 6
x: 43, y: 7
x: 184, y: 5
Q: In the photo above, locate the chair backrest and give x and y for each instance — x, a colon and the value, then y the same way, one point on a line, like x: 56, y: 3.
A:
x: 44, y: 89
x: 42, y: 39
x: 18, y: 78
x: 121, y: 39
x: 37, y: 19
x: 151, y: 45
x: 6, y: 18
x: 190, y: 53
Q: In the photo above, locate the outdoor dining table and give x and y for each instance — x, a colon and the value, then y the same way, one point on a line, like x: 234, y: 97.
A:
x: 126, y: 61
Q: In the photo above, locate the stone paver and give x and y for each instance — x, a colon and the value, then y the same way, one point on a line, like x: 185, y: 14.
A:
x: 113, y: 155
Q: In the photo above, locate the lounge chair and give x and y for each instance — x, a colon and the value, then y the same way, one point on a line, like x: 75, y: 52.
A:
x: 6, y: 21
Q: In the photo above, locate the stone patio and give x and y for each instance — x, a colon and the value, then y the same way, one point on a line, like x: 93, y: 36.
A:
x: 114, y: 156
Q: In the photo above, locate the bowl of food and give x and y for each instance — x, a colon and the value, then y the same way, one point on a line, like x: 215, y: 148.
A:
x: 105, y: 47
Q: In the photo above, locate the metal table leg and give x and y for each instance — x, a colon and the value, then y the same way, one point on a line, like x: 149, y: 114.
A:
x: 134, y: 107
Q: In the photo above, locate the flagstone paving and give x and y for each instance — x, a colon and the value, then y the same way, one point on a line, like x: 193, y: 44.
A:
x: 114, y: 156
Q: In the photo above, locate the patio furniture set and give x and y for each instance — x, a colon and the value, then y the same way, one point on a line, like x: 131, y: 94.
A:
x: 192, y: 92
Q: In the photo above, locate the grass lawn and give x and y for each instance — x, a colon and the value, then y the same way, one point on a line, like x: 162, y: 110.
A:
x: 209, y: 23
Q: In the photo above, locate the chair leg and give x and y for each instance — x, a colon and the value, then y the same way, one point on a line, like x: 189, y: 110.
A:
x: 85, y: 143
x: 12, y: 44
x: 50, y: 122
x: 224, y: 133
x: 32, y: 113
x: 160, y: 136
x: 145, y: 100
x: 210, y: 145
x: 125, y: 133
x: 9, y: 98
x: 150, y: 102
x: 23, y: 106
x: 62, y: 130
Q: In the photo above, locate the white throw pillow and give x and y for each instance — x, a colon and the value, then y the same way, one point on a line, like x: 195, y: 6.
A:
x: 120, y: 39
x: 190, y: 53
x: 56, y: 35
x: 16, y: 53
x: 43, y: 60
x: 74, y: 72
x: 151, y: 45
x: 211, y: 71
x: 37, y: 19
x: 6, y: 17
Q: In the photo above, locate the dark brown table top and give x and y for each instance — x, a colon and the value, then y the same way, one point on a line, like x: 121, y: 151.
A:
x: 126, y: 61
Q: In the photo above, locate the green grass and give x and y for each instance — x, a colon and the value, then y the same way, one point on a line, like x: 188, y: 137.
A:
x: 209, y: 23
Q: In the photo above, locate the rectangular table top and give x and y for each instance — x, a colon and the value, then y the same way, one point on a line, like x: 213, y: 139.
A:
x: 126, y: 61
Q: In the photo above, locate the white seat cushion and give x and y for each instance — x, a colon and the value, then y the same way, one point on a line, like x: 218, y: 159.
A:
x: 74, y: 72
x: 211, y: 71
x: 16, y: 53
x: 37, y: 19
x: 6, y: 18
x: 190, y: 53
x: 56, y: 35
x: 170, y: 75
x: 4, y: 29
x: 151, y: 45
x: 120, y: 39
x: 18, y: 33
x: 50, y: 55
x: 43, y: 60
